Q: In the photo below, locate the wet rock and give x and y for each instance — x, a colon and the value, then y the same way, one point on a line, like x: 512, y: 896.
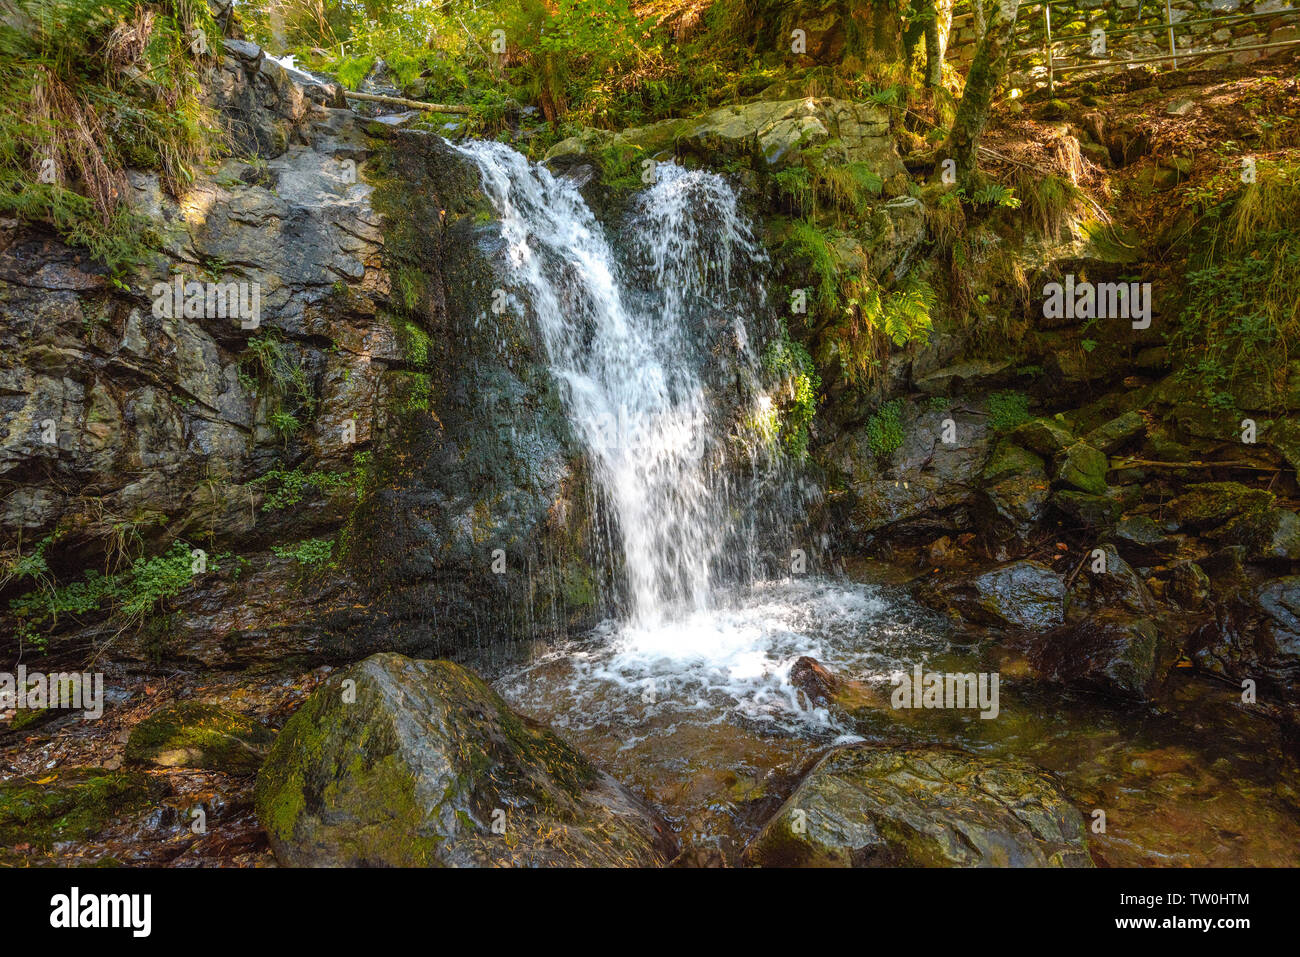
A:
x: 1115, y: 586
x: 1022, y: 594
x: 814, y: 679
x: 71, y: 804
x: 193, y: 734
x: 1118, y: 432
x: 1013, y: 493
x: 1082, y: 467
x: 412, y: 763
x: 864, y: 806
x: 1188, y: 586
x: 1280, y: 601
x: 1141, y: 535
x: 1110, y: 651
x: 1210, y: 504
x: 1267, y: 534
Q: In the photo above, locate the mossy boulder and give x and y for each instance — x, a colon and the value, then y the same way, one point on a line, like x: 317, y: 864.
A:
x: 1014, y: 491
x: 419, y: 763
x: 864, y: 806
x: 1112, y: 436
x: 1210, y: 504
x: 1082, y: 467
x: 1094, y: 511
x: 192, y: 734
x: 71, y: 805
x: 1268, y: 534
x: 1044, y: 436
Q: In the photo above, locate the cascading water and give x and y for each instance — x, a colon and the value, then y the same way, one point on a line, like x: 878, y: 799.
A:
x: 630, y: 361
x: 654, y: 354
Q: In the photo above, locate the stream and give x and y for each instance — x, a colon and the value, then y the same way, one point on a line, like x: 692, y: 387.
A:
x: 684, y: 693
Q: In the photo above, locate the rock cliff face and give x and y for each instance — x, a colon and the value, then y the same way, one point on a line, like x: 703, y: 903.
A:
x: 303, y: 376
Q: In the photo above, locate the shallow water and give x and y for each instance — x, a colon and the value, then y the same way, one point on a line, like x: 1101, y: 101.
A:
x: 698, y: 715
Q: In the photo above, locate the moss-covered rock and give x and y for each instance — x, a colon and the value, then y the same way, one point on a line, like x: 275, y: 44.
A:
x: 1099, y: 512
x: 419, y: 763
x: 1112, y: 436
x: 1268, y: 534
x: 1044, y: 436
x: 192, y: 734
x: 926, y: 807
x: 1013, y: 493
x: 1210, y: 504
x: 71, y: 805
x: 1082, y: 467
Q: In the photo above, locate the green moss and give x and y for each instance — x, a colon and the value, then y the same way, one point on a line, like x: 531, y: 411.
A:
x: 70, y: 805
x: 198, y: 735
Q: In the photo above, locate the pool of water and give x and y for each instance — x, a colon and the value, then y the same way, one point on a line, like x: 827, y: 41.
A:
x: 698, y: 715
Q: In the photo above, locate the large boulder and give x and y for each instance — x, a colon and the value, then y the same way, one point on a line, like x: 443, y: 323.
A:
x: 419, y: 763
x: 864, y: 806
x: 1111, y: 652
x: 1015, y: 595
x: 1013, y: 493
x: 777, y: 133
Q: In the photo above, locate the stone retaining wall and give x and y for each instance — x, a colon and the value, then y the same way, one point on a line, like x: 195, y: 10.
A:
x: 1078, y: 18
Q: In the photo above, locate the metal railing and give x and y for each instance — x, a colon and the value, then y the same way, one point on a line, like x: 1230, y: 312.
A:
x: 1048, y: 48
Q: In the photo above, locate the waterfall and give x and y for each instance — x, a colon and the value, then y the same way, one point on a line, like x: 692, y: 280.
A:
x: 647, y: 349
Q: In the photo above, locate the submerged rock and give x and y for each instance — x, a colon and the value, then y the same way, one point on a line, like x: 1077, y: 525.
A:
x: 419, y: 763
x: 863, y: 806
x: 192, y: 734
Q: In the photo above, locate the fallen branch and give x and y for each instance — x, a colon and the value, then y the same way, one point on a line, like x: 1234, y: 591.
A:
x: 409, y: 104
x: 1145, y: 463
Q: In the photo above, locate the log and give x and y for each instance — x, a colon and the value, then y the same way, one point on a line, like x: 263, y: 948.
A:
x: 409, y: 104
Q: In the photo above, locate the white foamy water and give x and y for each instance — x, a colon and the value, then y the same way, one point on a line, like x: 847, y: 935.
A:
x: 729, y: 663
x: 636, y: 344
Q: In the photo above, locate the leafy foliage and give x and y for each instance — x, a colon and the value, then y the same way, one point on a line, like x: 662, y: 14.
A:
x: 1008, y: 409
x: 88, y: 87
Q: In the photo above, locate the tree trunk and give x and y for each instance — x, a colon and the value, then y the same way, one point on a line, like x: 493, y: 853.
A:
x: 986, y: 72
x: 933, y: 52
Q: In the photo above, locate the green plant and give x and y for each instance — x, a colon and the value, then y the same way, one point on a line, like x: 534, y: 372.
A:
x: 87, y: 88
x: 1008, y: 409
x: 312, y: 553
x: 884, y: 429
x: 798, y: 382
